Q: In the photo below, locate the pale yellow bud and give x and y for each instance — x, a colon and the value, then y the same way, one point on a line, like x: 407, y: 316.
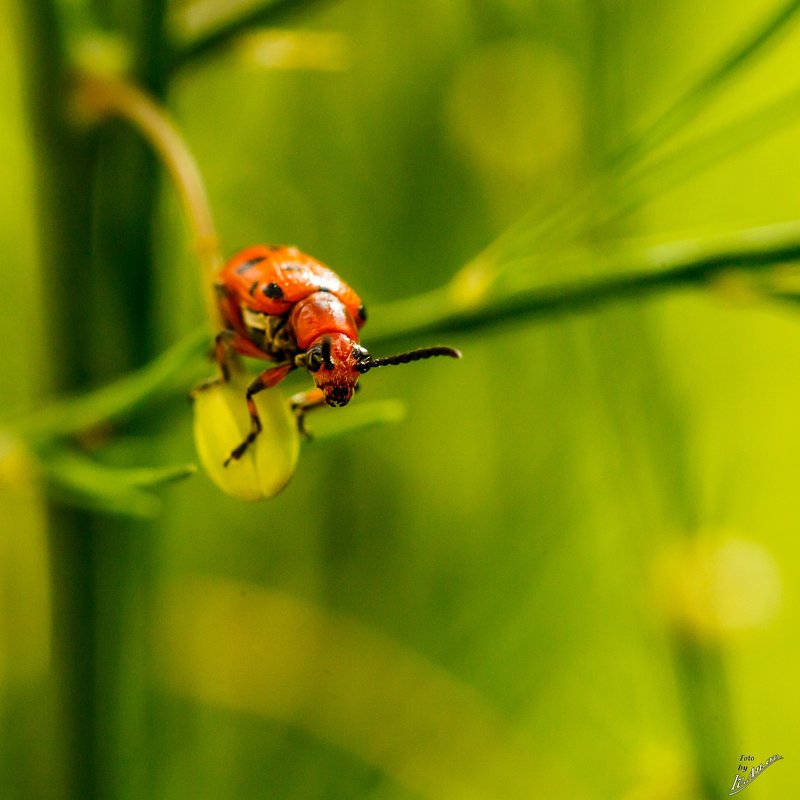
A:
x: 718, y: 585
x: 221, y: 422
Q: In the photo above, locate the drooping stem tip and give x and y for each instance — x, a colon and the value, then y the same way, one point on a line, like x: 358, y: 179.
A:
x: 100, y: 97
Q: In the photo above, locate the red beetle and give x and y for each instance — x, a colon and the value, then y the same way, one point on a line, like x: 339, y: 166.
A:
x: 281, y: 305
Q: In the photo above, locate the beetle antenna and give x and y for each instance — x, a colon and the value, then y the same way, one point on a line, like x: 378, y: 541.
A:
x: 411, y: 355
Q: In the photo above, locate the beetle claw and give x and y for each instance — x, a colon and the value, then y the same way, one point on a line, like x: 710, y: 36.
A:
x: 305, y: 433
x: 241, y: 449
x: 207, y: 384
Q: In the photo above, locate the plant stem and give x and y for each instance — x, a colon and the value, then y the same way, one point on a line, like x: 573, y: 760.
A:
x: 703, y: 683
x: 97, y: 193
x: 64, y: 161
x: 106, y: 97
x: 154, y: 51
x: 128, y: 181
x: 670, y: 267
x: 266, y: 14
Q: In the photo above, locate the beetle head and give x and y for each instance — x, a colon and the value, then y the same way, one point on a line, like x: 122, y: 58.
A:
x: 332, y: 361
x: 336, y: 362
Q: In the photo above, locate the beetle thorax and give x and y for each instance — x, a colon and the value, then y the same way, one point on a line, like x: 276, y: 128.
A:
x: 318, y: 314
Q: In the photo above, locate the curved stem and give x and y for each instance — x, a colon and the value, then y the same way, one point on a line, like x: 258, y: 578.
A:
x: 109, y: 97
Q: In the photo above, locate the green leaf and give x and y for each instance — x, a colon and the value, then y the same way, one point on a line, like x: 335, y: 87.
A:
x: 542, y: 226
x: 70, y: 416
x: 357, y: 419
x: 690, y: 104
x: 84, y: 482
x: 200, y: 33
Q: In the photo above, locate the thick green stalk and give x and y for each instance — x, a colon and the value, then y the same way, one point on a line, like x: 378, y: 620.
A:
x: 96, y: 200
x: 128, y: 180
x: 65, y: 162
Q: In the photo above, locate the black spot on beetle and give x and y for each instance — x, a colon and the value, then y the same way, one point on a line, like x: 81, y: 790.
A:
x: 325, y: 289
x: 251, y: 262
x: 362, y: 312
x: 273, y: 291
x: 253, y: 287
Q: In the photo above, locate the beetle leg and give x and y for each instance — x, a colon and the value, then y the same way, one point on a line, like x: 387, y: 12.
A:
x: 222, y: 359
x: 222, y: 353
x: 303, y: 402
x: 266, y: 380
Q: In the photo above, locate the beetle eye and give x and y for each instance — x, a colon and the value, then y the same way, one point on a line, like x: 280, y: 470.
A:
x: 360, y: 353
x: 314, y: 360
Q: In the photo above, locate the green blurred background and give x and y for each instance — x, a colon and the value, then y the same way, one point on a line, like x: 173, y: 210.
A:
x: 571, y: 570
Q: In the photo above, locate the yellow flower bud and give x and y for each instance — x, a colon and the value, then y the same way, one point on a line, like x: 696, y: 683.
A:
x: 718, y: 585
x: 221, y: 422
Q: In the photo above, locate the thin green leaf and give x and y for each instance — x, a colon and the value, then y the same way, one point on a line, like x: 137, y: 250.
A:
x: 701, y: 154
x: 637, y: 186
x: 192, y: 47
x: 79, y: 480
x: 117, y: 399
x: 690, y: 104
x: 654, y: 178
x: 151, y: 477
x: 534, y: 229
x: 358, y: 418
x: 786, y: 297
